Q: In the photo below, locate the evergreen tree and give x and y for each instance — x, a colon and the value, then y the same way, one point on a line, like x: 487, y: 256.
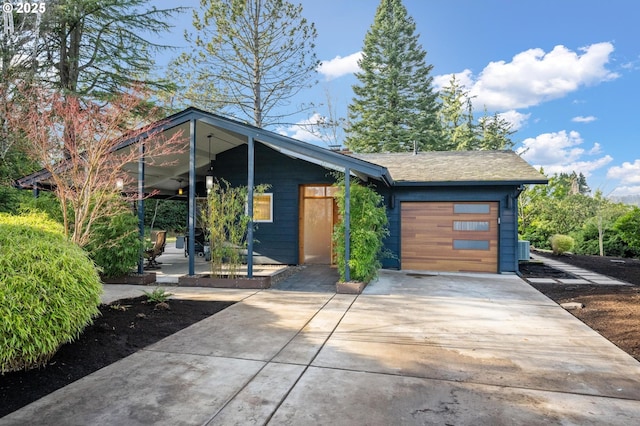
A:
x: 564, y: 184
x: 395, y: 105
x: 583, y: 187
x: 495, y: 132
x: 99, y: 48
x: 460, y: 132
x: 456, y: 118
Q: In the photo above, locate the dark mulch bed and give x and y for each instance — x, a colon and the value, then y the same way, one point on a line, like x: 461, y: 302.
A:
x: 612, y: 311
x: 540, y: 270
x: 123, y: 328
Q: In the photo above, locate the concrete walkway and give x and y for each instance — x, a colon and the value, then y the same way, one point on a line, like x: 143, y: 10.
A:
x: 415, y: 348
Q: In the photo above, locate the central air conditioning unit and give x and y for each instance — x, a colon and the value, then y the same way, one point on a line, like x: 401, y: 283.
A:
x: 524, y: 252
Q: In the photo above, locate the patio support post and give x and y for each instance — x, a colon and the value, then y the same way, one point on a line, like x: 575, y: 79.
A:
x: 141, y: 151
x: 191, y: 225
x: 347, y: 223
x: 250, y: 179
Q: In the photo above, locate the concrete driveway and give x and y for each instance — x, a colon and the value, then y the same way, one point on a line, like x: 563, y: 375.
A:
x: 413, y: 349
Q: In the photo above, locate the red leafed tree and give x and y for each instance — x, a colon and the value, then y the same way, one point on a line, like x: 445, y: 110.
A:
x: 80, y: 145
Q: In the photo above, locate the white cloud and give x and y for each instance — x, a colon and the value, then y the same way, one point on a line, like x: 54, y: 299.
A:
x: 626, y: 190
x: 534, y: 76
x: 304, y: 130
x: 560, y: 152
x: 596, y: 149
x: 515, y: 118
x: 464, y: 78
x: 581, y: 119
x: 339, y: 66
x: 627, y: 173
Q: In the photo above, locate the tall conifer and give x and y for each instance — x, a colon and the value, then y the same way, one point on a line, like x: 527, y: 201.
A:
x: 395, y: 108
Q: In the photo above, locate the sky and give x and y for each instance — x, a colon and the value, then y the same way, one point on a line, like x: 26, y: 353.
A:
x: 564, y: 73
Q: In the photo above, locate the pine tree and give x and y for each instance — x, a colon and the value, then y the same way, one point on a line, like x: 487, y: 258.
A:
x: 395, y: 105
x: 583, y: 187
x: 456, y: 119
x: 496, y: 132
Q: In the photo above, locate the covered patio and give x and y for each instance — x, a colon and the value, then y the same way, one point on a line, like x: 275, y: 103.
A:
x: 219, y: 147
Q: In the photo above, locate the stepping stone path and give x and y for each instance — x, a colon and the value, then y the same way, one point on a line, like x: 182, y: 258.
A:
x: 583, y: 276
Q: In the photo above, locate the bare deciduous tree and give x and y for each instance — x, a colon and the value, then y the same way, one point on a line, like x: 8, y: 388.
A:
x: 82, y: 148
x: 258, y: 53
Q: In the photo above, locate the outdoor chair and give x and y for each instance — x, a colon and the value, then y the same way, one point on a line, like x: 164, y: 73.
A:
x: 156, y: 250
x: 200, y: 242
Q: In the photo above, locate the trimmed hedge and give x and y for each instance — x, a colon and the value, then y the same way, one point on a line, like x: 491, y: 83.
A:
x: 49, y: 290
x: 561, y: 243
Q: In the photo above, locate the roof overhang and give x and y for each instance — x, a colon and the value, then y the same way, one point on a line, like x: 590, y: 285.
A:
x: 471, y: 183
x: 212, y: 135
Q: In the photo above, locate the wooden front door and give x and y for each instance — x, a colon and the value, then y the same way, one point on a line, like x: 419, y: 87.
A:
x: 318, y: 214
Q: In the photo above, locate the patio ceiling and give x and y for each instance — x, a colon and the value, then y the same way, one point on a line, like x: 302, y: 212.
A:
x: 172, y: 172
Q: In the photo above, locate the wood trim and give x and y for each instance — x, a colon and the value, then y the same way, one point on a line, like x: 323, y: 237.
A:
x: 300, y: 224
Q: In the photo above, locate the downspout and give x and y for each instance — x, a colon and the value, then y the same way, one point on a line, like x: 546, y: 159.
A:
x: 516, y: 213
x: 250, y: 183
x: 347, y: 223
x: 141, y: 149
x: 191, y: 225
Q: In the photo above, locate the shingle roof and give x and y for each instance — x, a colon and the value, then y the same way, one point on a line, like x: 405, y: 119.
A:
x: 457, y: 166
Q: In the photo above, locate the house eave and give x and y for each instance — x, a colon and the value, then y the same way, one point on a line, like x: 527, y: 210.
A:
x: 471, y: 183
x: 292, y: 147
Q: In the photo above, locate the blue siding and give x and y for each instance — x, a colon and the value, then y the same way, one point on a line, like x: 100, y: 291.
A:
x: 277, y: 242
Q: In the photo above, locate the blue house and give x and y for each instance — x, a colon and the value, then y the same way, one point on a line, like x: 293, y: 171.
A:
x: 448, y: 211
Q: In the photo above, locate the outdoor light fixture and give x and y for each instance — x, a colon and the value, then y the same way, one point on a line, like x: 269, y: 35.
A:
x: 180, y: 190
x: 209, y: 177
x: 119, y: 184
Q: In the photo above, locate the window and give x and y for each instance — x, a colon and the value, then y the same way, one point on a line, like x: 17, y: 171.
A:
x: 470, y: 245
x: 320, y: 191
x: 471, y: 208
x: 459, y: 225
x: 263, y: 207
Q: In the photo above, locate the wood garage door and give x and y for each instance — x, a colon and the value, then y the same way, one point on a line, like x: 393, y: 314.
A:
x: 445, y: 236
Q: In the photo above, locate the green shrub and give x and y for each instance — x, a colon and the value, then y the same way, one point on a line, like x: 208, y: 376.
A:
x: 368, y: 229
x: 115, y: 244
x: 49, y: 290
x: 159, y: 295
x: 166, y: 214
x: 628, y: 227
x: 561, y: 243
x: 45, y: 202
x: 10, y: 199
x: 228, y: 224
